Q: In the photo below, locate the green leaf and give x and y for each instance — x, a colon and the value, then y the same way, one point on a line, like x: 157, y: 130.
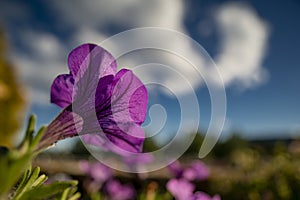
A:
x: 70, y: 194
x: 65, y: 194
x: 40, y: 180
x: 76, y: 196
x: 28, y: 134
x: 37, y: 138
x: 47, y: 191
x: 25, y: 176
x: 30, y: 127
x: 28, y: 183
x: 13, y: 162
x: 11, y: 167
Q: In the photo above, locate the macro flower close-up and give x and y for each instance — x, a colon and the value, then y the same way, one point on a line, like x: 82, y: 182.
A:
x: 149, y: 100
x: 118, y: 100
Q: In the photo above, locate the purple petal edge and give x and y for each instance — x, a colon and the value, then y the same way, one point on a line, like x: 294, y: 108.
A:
x: 82, y: 58
x: 61, y: 90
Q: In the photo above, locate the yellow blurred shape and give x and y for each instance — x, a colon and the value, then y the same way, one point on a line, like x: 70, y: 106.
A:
x: 12, y: 99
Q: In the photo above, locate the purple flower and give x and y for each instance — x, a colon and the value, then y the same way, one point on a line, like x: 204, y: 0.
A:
x: 204, y: 196
x: 97, y: 175
x: 195, y: 171
x: 181, y: 189
x: 176, y: 169
x: 117, y: 191
x: 97, y: 172
x: 105, y: 106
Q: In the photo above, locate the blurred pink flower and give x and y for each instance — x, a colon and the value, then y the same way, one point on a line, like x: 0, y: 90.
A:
x: 97, y: 175
x: 97, y: 171
x: 204, y: 196
x: 118, y: 191
x: 181, y: 189
x: 196, y: 171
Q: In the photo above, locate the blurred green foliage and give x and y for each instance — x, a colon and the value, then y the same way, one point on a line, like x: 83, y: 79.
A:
x: 240, y: 169
x: 255, y: 170
x: 11, y: 98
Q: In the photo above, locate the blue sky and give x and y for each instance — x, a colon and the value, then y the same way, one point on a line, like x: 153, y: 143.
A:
x: 262, y: 89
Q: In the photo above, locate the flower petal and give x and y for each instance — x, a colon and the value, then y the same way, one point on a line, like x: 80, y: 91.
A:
x: 128, y: 138
x: 89, y: 56
x: 88, y: 105
x: 115, y: 113
x: 109, y: 136
x: 129, y: 98
x: 91, y: 109
x: 103, y: 96
x: 97, y: 140
x: 97, y: 65
x: 61, y: 90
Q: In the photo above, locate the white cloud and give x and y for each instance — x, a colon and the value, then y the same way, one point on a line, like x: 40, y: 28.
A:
x: 243, y: 41
x: 134, y: 14
x: 244, y: 38
x: 130, y: 13
x: 42, y: 61
x: 45, y: 46
x: 38, y: 76
x: 89, y: 35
